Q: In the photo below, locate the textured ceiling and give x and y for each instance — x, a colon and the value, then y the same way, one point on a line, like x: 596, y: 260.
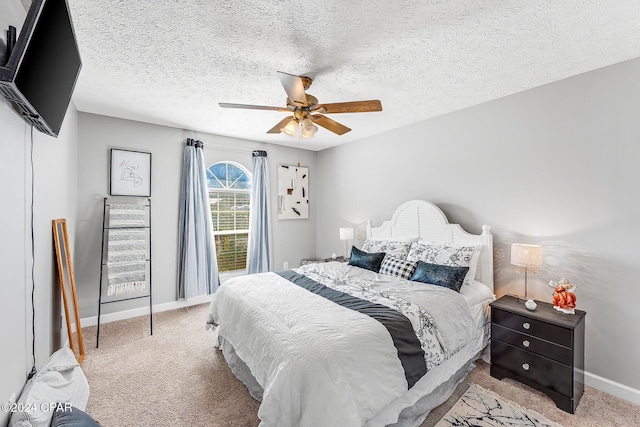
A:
x: 171, y: 61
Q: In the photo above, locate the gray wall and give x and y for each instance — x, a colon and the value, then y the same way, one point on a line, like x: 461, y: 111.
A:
x: 54, y: 197
x: 556, y: 165
x: 293, y: 239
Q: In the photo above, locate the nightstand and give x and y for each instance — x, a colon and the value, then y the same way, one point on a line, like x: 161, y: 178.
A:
x: 339, y: 259
x: 543, y: 349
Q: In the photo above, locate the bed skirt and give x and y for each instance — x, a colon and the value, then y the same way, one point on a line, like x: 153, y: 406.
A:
x: 240, y: 369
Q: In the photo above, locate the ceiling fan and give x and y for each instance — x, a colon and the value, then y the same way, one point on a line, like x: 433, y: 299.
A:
x: 307, y: 112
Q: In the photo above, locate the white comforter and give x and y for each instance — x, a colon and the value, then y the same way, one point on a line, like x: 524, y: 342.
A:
x: 321, y: 364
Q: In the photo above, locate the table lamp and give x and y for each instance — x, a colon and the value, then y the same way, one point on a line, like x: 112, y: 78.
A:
x: 527, y: 259
x: 346, y: 234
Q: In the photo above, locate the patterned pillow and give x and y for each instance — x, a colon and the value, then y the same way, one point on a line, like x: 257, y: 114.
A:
x: 440, y: 275
x: 454, y: 256
x: 399, y: 248
x: 366, y: 260
x: 393, y: 266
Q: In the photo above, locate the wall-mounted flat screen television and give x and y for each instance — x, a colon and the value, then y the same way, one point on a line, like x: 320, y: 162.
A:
x: 43, y: 67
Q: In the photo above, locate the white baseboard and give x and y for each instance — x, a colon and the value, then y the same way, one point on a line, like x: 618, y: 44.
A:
x: 143, y: 311
x: 616, y: 389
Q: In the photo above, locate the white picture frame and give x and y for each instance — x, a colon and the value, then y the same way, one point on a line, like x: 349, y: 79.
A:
x: 130, y: 173
x: 293, y: 192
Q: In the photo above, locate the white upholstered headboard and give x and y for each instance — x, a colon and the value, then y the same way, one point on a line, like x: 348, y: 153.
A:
x: 424, y: 220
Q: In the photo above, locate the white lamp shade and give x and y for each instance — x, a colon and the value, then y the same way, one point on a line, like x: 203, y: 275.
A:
x: 346, y: 233
x: 309, y: 132
x: 308, y: 128
x: 291, y: 128
x: 526, y: 255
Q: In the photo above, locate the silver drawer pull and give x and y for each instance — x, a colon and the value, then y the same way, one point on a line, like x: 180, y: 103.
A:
x: 525, y: 366
x: 526, y: 343
x: 526, y: 325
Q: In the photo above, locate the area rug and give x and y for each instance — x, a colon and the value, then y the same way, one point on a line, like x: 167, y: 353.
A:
x: 483, y: 408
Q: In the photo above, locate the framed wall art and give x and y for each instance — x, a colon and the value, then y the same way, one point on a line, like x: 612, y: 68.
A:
x: 293, y: 192
x: 130, y: 173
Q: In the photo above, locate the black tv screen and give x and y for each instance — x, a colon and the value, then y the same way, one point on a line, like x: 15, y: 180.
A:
x: 44, y: 66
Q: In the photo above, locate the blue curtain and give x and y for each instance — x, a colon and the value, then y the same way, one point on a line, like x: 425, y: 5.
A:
x: 197, y: 264
x: 259, y: 251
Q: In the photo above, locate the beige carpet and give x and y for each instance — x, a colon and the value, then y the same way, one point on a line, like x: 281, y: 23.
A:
x: 176, y: 378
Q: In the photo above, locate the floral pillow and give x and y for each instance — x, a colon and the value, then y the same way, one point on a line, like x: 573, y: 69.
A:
x: 453, y: 256
x: 398, y: 248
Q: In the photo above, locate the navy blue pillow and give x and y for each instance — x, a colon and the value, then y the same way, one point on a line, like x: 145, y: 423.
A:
x: 440, y: 275
x: 72, y: 417
x: 368, y: 261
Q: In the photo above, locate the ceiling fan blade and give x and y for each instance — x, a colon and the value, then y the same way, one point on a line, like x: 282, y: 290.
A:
x: 251, y: 107
x: 350, y: 107
x: 282, y: 123
x: 294, y: 87
x: 329, y: 124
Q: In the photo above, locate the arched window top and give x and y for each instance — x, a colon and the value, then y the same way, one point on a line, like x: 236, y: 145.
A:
x: 228, y: 176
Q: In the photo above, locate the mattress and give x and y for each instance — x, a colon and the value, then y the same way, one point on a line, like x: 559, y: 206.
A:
x: 478, y: 296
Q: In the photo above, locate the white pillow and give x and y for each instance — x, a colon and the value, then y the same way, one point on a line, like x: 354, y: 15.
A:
x: 476, y: 292
x: 473, y: 265
x: 397, y: 247
x: 454, y: 256
x: 60, y: 380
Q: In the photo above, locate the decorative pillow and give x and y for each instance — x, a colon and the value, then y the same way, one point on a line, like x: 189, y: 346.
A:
x: 72, y: 417
x: 454, y: 256
x: 473, y: 265
x: 399, y: 248
x: 393, y: 266
x: 440, y: 275
x: 366, y: 260
x: 59, y: 380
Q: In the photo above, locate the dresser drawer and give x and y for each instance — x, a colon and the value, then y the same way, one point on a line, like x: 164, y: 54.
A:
x: 528, y: 343
x: 545, y: 372
x: 532, y: 327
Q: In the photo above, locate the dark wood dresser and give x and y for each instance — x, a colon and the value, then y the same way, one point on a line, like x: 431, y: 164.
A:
x: 543, y: 349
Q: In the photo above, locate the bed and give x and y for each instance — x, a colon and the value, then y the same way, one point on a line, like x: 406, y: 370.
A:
x: 364, y: 343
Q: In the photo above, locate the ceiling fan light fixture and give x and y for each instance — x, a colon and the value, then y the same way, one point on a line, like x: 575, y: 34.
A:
x: 291, y: 128
x: 306, y: 124
x: 308, y: 128
x: 302, y: 105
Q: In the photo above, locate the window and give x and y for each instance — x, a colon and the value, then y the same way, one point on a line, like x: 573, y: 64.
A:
x: 229, y: 194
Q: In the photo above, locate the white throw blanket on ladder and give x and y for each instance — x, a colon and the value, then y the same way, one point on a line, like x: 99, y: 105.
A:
x: 126, y: 249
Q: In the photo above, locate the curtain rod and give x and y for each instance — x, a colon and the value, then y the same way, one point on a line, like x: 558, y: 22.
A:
x: 194, y: 143
x: 230, y: 148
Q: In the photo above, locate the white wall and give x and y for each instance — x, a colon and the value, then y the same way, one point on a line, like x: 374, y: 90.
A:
x: 293, y: 239
x: 555, y: 165
x: 54, y: 197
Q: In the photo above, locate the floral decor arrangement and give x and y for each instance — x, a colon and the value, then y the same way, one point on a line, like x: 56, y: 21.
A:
x: 564, y: 298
